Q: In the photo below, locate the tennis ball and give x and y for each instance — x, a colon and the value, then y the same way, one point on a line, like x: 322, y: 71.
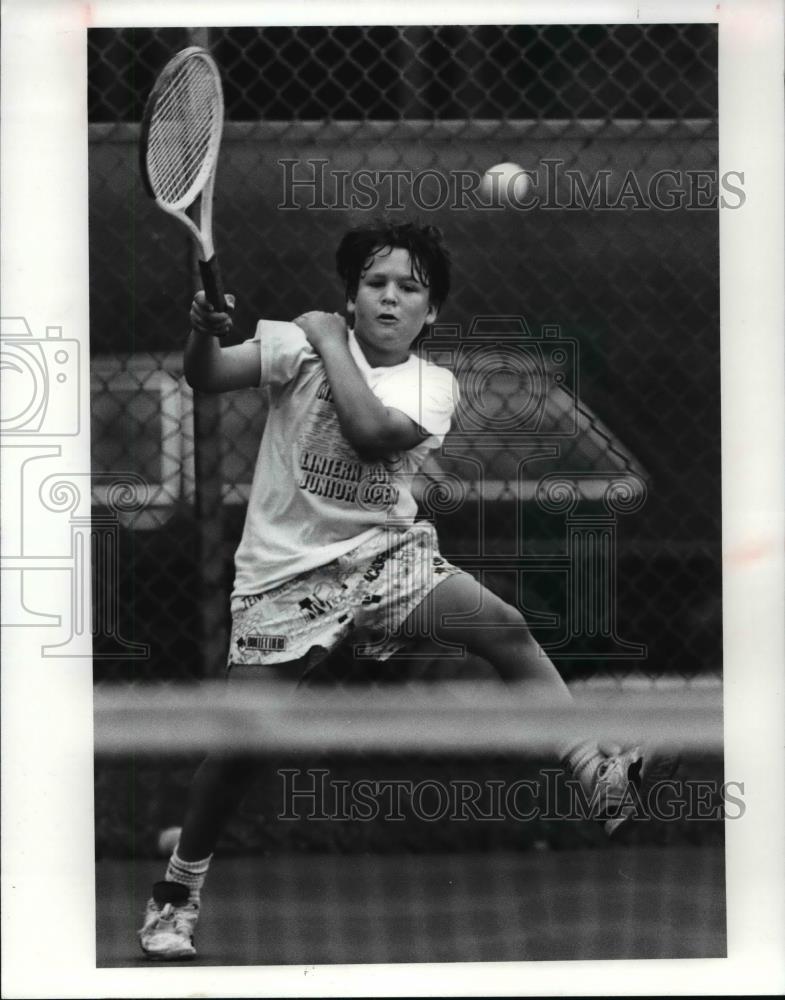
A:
x: 505, y: 184
x: 168, y: 840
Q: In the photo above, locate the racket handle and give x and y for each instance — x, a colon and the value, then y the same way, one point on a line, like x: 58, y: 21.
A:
x: 213, y: 283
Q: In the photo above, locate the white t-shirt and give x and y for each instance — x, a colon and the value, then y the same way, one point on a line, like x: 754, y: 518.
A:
x: 313, y: 498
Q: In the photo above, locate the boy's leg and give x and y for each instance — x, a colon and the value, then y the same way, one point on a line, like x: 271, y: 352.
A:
x: 216, y: 791
x: 223, y: 778
x: 461, y: 610
x: 217, y: 788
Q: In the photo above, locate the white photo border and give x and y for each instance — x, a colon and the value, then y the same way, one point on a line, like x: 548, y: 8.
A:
x: 47, y: 794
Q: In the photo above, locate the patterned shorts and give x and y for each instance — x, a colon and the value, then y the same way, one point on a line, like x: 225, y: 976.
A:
x: 369, y: 593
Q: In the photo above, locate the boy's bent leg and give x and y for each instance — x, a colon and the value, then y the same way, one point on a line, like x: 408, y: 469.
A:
x: 461, y: 610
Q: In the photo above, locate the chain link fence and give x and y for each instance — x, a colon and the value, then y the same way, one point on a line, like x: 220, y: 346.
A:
x: 581, y: 480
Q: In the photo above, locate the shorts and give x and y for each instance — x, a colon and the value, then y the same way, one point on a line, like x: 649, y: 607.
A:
x: 367, y: 593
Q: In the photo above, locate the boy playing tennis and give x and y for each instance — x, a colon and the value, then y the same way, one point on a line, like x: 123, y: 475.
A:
x: 330, y: 549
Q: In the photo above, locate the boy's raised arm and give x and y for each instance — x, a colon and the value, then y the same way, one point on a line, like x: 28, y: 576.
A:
x: 372, y: 428
x: 209, y: 367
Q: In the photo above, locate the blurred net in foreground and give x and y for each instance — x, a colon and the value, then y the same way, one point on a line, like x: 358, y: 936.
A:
x: 427, y: 823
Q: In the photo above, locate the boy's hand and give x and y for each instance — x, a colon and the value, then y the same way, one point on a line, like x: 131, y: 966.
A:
x: 204, y: 319
x: 321, y: 327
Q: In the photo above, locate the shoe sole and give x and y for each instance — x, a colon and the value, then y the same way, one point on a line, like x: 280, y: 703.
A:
x: 168, y: 956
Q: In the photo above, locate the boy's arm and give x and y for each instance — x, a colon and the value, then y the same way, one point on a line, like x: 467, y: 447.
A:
x: 372, y: 428
x: 207, y: 366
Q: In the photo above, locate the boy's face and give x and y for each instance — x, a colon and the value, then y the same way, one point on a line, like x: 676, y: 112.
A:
x: 390, y: 308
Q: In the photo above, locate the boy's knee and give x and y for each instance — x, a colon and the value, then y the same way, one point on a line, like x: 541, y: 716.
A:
x: 503, y: 625
x: 511, y: 617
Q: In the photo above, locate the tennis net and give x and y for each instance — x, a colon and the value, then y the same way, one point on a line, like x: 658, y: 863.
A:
x: 417, y: 823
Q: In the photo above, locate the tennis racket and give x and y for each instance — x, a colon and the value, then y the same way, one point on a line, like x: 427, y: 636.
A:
x: 181, y: 137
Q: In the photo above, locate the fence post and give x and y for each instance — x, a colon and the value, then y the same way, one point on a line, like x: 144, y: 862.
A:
x: 208, y: 475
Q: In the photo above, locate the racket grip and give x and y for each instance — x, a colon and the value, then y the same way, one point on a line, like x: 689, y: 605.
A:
x: 213, y: 283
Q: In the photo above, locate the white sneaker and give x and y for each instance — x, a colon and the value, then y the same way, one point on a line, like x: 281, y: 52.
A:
x: 167, y: 934
x: 625, y: 780
x: 618, y: 780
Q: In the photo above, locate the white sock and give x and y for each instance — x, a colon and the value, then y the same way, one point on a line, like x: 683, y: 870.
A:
x: 188, y: 873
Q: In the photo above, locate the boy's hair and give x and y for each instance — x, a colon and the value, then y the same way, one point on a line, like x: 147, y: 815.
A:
x: 430, y: 258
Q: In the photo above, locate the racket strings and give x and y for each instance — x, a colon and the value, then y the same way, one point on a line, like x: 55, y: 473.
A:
x: 185, y: 115
x: 186, y: 118
x: 182, y: 130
